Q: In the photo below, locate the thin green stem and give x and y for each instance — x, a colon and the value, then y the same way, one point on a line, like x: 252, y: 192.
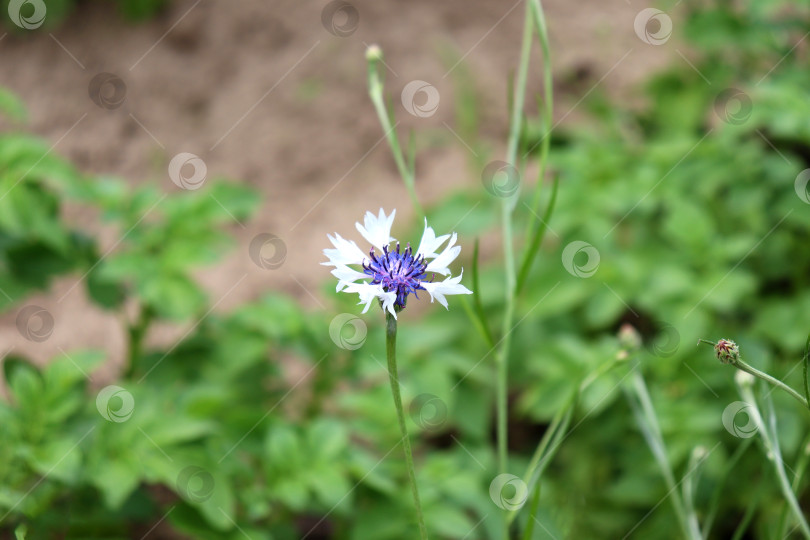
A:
x: 137, y: 333
x: 801, y: 467
x: 639, y: 399
x: 739, y: 364
x: 391, y: 351
x: 375, y: 91
x: 548, y: 100
x: 771, y: 442
x: 507, y: 207
x: 546, y: 448
x: 529, y: 530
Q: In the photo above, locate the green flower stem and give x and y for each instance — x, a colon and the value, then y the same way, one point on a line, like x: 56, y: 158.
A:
x: 801, y: 467
x: 375, y: 91
x: 507, y: 207
x: 548, y: 101
x: 739, y: 364
x: 771, y: 443
x: 391, y: 351
x: 546, y: 449
x: 639, y: 399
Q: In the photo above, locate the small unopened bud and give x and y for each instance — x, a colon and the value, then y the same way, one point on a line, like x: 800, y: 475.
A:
x: 744, y: 379
x: 629, y: 338
x: 727, y: 351
x: 373, y: 53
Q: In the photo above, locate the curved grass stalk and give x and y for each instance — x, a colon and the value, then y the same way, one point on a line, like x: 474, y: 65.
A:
x: 405, y: 166
x: 641, y: 405
x: 770, y: 441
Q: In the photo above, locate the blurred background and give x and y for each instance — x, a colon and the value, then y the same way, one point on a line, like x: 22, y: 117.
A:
x: 178, y: 365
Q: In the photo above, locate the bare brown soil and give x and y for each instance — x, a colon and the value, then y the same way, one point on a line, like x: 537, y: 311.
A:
x: 265, y: 95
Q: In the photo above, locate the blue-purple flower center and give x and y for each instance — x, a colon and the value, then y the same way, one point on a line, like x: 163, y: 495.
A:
x: 399, y: 272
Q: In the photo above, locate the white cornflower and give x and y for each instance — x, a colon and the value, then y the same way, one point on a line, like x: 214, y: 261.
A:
x: 393, y: 275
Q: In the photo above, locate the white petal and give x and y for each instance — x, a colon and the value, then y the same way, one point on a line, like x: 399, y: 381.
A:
x: 346, y: 276
x: 440, y: 263
x: 430, y: 243
x: 367, y: 292
x: 450, y: 285
x: 345, y: 252
x: 377, y: 229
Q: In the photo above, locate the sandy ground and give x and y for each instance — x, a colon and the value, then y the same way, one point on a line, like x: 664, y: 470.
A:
x: 265, y: 95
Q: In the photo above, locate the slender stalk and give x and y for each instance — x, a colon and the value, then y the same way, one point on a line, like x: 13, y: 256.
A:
x: 739, y: 364
x: 641, y: 404
x: 771, y: 443
x: 375, y: 91
x: 801, y: 467
x: 548, y: 101
x: 546, y: 449
x: 507, y: 207
x: 137, y: 333
x: 391, y: 351
x: 529, y: 530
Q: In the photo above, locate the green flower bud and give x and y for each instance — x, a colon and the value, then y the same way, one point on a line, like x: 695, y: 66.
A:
x: 727, y: 351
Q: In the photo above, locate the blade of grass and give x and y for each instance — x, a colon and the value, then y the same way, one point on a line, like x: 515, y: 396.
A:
x: 536, y: 239
x: 479, y: 307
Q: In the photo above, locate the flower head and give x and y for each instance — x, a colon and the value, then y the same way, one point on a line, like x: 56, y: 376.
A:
x: 390, y: 275
x: 727, y: 351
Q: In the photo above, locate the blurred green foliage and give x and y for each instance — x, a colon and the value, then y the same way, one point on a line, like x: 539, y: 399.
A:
x: 689, y: 201
x: 27, y: 15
